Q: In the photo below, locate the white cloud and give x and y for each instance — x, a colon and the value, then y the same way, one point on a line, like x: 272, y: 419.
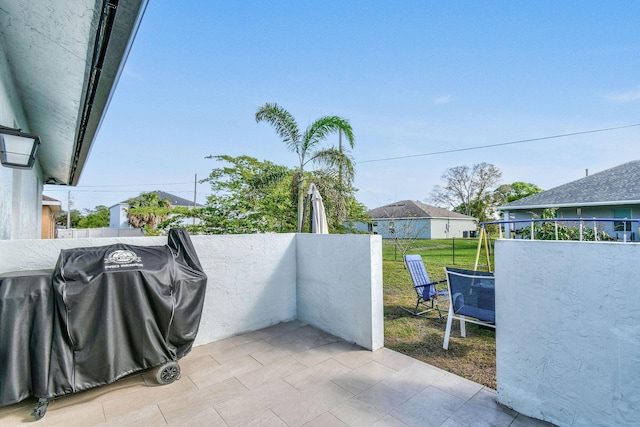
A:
x: 629, y: 96
x: 442, y: 99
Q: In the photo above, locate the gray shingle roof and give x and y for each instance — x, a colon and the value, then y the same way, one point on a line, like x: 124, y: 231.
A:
x: 413, y: 209
x: 173, y: 199
x: 618, y: 185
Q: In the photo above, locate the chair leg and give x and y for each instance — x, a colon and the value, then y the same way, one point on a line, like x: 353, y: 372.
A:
x: 447, y: 331
x: 415, y: 310
x: 437, y: 307
x: 463, y: 329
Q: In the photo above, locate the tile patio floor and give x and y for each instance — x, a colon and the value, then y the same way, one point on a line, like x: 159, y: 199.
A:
x: 286, y: 375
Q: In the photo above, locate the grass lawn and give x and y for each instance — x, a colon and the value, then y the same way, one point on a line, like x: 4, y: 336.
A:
x: 473, y: 357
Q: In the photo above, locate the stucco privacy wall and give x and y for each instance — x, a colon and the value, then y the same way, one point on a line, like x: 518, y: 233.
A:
x: 568, y: 342
x: 254, y: 280
x: 339, y: 286
x: 251, y: 283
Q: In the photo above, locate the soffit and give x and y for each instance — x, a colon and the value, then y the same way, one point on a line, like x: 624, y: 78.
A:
x: 51, y: 48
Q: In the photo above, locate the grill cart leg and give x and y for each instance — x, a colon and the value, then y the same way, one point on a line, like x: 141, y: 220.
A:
x: 41, y: 409
x: 168, y: 373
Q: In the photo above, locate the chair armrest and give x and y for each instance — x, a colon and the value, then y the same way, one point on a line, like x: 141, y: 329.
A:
x: 430, y: 284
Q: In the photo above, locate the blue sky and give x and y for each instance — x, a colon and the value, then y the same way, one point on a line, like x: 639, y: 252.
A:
x: 412, y: 77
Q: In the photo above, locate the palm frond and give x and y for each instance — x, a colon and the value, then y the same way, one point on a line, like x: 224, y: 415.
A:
x: 272, y: 175
x: 283, y: 122
x: 336, y: 159
x: 324, y: 126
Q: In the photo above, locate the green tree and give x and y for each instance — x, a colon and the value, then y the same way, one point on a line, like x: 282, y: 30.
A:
x: 307, y: 146
x: 467, y: 190
x: 339, y: 201
x: 74, y: 217
x: 507, y: 193
x: 252, y: 196
x: 248, y: 196
x: 95, y: 218
x: 148, y: 210
x: 552, y: 230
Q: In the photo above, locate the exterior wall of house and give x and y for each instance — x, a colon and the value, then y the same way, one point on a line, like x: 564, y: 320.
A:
x: 402, y: 228
x: 568, y: 343
x: 363, y: 227
x: 259, y: 280
x: 118, y: 216
x: 447, y: 228
x: 421, y: 228
x: 587, y: 213
x: 48, y: 223
x: 20, y: 190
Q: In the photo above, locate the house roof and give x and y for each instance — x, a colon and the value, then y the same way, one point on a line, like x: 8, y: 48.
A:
x: 46, y: 200
x: 64, y: 61
x: 413, y: 209
x: 619, y: 185
x: 54, y: 204
x: 173, y: 199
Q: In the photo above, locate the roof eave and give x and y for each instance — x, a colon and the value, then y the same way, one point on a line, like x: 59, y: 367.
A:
x: 568, y: 205
x: 114, y: 38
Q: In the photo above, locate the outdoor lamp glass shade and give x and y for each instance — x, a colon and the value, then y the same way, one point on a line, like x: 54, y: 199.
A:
x: 17, y: 149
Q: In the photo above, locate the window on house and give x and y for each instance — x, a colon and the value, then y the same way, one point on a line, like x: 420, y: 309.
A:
x: 622, y: 225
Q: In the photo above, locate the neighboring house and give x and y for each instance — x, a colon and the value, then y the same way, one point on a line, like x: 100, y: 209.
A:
x: 118, y: 212
x: 51, y: 209
x: 612, y: 193
x: 413, y: 219
x: 59, y: 65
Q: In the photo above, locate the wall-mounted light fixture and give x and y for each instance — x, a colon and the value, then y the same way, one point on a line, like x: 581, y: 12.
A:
x: 18, y: 149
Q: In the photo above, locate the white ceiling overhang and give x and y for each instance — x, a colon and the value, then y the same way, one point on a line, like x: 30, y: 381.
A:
x: 65, y: 58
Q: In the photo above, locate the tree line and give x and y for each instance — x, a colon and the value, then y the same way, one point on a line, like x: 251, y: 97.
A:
x: 249, y: 195
x: 471, y: 190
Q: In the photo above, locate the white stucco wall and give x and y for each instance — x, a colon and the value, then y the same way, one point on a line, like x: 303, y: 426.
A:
x: 340, y: 286
x: 568, y: 337
x: 255, y: 281
x: 251, y: 283
x: 20, y: 190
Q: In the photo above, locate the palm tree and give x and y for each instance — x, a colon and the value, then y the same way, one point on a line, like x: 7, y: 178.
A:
x: 147, y: 209
x: 307, y: 144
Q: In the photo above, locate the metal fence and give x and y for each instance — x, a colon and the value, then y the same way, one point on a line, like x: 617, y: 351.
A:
x: 78, y: 233
x: 584, y: 226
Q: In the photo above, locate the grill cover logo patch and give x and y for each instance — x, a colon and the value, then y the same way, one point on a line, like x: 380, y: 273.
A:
x: 122, y: 258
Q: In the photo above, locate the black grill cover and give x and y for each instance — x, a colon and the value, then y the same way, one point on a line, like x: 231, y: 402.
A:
x: 26, y: 313
x: 123, y: 308
x: 104, y: 313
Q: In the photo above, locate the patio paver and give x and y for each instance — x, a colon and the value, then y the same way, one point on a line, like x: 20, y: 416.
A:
x: 290, y: 374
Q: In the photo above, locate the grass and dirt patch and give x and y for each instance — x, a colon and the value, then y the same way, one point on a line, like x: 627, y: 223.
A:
x: 473, y: 357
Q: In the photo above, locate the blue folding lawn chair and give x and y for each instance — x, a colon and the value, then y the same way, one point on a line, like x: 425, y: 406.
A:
x: 426, y: 292
x: 472, y: 299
